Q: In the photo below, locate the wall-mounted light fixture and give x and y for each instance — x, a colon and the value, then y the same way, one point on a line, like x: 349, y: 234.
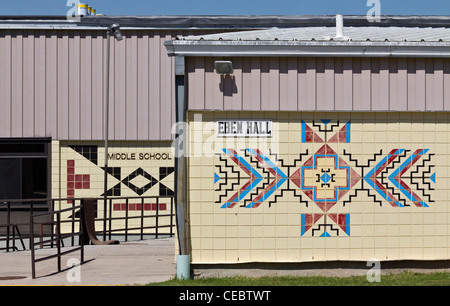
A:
x: 223, y: 67
x: 115, y: 30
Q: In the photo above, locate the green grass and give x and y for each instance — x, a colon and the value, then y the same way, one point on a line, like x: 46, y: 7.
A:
x: 398, y: 279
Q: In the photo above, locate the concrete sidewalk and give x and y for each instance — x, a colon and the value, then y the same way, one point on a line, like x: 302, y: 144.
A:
x: 128, y: 263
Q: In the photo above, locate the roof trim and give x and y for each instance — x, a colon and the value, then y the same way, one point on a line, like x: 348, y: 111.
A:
x: 264, y: 21
x: 216, y: 21
x: 307, y: 49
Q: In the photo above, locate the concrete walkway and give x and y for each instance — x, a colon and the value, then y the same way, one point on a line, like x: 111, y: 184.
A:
x: 129, y: 263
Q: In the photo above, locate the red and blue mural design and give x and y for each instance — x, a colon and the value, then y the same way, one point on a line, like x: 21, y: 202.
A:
x: 325, y: 177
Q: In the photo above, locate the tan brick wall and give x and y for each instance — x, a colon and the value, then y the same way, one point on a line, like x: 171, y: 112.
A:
x: 326, y: 186
x: 135, y: 169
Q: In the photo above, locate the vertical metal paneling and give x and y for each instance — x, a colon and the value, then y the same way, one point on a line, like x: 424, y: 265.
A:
x: 292, y: 76
x: 5, y: 84
x: 86, y: 85
x: 267, y: 85
x: 323, y: 84
x: 357, y: 83
x: 119, y: 84
x: 255, y: 84
x: 52, y: 85
x: 201, y: 88
x: 97, y: 90
x: 17, y: 86
x: 364, y: 101
x: 155, y: 85
x: 447, y: 84
x: 398, y: 84
x: 246, y: 89
x: 191, y: 74
x: 40, y: 98
x: 28, y: 83
x: 310, y: 81
x: 270, y: 83
x: 346, y: 97
x: 434, y: 78
x: 131, y: 123
x: 329, y: 103
x: 232, y: 100
x: 167, y: 88
x: 142, y: 86
x: 74, y: 85
x: 380, y: 84
x: 339, y: 100
x: 214, y: 94
x: 63, y: 86
x: 288, y: 83
x: 420, y: 89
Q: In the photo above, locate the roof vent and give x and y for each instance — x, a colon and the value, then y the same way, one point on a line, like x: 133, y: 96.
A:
x: 339, y: 26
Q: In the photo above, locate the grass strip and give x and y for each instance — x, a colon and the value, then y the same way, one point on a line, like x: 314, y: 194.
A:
x: 396, y: 279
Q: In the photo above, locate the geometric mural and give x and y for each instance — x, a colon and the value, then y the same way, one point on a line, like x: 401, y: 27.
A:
x: 325, y: 177
x: 138, y: 181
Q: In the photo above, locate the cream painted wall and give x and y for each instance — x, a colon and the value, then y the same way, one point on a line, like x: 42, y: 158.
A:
x: 287, y: 205
x: 136, y: 169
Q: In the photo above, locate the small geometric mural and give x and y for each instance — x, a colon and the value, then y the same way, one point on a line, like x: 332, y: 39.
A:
x: 326, y: 129
x: 325, y: 177
x: 391, y: 179
x: 324, y: 228
x: 122, y: 182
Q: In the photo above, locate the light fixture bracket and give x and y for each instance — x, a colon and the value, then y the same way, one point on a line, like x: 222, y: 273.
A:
x: 223, y: 67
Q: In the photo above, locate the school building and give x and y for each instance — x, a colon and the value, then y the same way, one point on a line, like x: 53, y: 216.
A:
x: 284, y: 139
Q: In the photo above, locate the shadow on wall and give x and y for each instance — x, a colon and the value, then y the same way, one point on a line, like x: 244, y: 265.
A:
x: 227, y: 85
x: 319, y: 268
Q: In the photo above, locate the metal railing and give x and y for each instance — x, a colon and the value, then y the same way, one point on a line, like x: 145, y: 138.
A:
x: 140, y: 207
x: 56, y: 238
x: 14, y: 229
x: 123, y: 217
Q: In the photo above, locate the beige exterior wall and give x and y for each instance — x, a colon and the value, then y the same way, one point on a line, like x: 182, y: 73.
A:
x: 136, y: 169
x: 386, y: 195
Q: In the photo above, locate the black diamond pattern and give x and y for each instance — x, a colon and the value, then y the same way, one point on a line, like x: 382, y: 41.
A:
x: 136, y: 173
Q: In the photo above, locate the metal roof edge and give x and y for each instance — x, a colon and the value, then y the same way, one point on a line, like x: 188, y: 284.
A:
x: 251, y: 21
x: 219, y: 21
x: 307, y: 49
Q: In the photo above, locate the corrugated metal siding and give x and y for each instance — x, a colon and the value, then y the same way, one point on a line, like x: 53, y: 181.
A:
x: 321, y: 84
x: 52, y: 84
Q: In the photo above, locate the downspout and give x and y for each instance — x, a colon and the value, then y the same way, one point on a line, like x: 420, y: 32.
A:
x: 181, y: 150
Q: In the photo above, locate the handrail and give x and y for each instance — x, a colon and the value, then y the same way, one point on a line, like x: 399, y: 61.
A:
x: 132, y: 218
x: 59, y: 238
x: 142, y: 215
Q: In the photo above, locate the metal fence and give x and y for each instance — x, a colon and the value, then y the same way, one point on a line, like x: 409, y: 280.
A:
x: 120, y: 217
x: 138, y: 216
x: 56, y: 238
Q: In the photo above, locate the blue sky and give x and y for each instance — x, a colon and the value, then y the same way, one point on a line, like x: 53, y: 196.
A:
x: 229, y: 7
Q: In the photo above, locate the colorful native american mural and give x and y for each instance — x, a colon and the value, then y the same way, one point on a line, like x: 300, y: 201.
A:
x: 325, y: 177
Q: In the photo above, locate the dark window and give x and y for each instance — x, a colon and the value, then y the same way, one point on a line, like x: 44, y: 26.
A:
x: 10, y: 178
x: 24, y: 168
x: 18, y: 148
